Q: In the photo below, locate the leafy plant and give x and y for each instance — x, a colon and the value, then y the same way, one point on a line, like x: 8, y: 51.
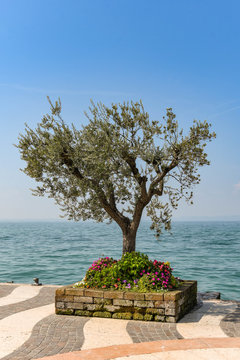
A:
x: 134, y: 271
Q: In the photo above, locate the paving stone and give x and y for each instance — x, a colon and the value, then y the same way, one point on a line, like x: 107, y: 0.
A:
x: 5, y: 290
x: 230, y: 324
x: 45, y: 297
x: 54, y: 334
x: 140, y: 331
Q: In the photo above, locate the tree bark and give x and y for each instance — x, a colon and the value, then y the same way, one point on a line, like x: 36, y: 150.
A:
x: 129, y: 241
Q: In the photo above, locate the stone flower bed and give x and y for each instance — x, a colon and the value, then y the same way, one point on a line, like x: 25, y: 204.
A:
x: 169, y: 306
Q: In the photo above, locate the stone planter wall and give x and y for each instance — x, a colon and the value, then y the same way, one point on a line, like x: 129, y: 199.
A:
x: 165, y: 307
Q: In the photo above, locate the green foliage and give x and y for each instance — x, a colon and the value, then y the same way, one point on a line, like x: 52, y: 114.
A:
x: 118, y: 164
x: 131, y: 265
x: 134, y: 271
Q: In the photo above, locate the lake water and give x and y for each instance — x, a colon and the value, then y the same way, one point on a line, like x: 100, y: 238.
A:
x: 61, y: 252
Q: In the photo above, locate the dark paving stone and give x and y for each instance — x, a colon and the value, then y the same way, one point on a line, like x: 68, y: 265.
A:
x: 141, y: 331
x: 56, y: 334
x: 6, y: 289
x: 230, y: 324
x: 46, y: 296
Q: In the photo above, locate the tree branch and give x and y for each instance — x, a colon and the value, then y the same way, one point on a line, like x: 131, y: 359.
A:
x: 159, y: 179
x: 109, y: 207
x: 142, y: 180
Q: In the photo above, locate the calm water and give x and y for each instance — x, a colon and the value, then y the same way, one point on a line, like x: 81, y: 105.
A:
x: 61, y: 252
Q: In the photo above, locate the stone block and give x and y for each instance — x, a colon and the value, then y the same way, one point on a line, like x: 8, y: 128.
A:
x: 144, y: 304
x: 64, y: 311
x: 91, y: 307
x: 83, y: 299
x: 125, y: 316
x: 172, y: 295
x: 113, y: 294
x: 64, y: 298
x: 148, y: 317
x: 102, y: 314
x: 83, y: 313
x: 154, y: 311
x: 137, y: 316
x: 94, y: 293
x: 75, y: 291
x: 159, y: 318
x: 74, y: 305
x: 60, y: 291
x: 60, y: 305
x: 159, y: 304
x: 102, y: 302
x: 170, y: 304
x: 122, y: 302
x: 170, y: 312
x: 153, y: 296
x: 133, y: 296
x: 111, y: 308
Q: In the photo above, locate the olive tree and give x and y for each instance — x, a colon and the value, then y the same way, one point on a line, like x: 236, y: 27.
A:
x: 117, y: 165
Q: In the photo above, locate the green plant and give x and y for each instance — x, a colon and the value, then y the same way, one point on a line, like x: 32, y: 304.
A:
x: 134, y: 271
x: 132, y: 264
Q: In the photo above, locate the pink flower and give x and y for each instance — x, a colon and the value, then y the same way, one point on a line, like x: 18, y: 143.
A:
x: 156, y: 273
x: 141, y: 274
x: 153, y: 279
x: 143, y: 271
x: 158, y: 279
x: 153, y: 283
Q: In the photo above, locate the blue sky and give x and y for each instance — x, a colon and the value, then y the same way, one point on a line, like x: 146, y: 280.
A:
x: 180, y: 54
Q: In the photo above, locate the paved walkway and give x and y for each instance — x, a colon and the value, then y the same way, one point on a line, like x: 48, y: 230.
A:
x: 29, y: 329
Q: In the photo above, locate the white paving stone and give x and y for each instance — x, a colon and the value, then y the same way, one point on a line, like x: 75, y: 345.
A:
x: 16, y: 329
x: 99, y: 332
x: 21, y: 293
x: 205, y: 321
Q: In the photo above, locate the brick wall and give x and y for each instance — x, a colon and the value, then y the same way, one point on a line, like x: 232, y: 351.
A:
x: 169, y: 306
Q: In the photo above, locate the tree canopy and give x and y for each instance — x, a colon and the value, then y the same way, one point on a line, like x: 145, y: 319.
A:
x: 118, y: 164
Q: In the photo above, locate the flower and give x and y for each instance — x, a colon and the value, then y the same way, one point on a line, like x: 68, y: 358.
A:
x: 153, y: 283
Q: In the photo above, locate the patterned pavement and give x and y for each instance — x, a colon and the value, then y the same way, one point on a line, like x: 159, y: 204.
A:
x: 57, y: 334
x: 141, y: 331
x: 5, y: 290
x: 230, y: 324
x: 52, y: 335
x: 45, y: 297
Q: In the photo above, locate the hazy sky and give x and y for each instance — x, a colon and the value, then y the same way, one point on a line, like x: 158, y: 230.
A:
x: 180, y: 54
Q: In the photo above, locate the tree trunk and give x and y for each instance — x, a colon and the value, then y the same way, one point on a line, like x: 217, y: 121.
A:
x: 129, y: 241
